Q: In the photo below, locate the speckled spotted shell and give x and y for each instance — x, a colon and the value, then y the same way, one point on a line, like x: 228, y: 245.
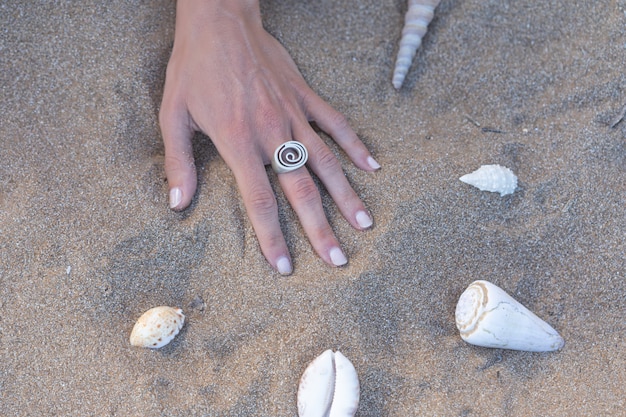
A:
x: 157, y: 327
x: 416, y: 20
x: 494, y: 178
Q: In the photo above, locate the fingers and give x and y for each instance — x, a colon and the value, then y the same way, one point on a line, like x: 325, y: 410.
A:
x: 301, y: 190
x: 336, y: 125
x: 179, y: 164
x: 261, y: 206
x: 262, y: 209
x: 328, y: 169
x: 324, y: 163
x: 305, y: 199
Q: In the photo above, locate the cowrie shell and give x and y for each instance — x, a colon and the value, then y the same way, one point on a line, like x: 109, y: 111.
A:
x: 329, y: 387
x: 157, y: 327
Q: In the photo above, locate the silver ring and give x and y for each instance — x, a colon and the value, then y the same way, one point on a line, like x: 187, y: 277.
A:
x: 289, y: 156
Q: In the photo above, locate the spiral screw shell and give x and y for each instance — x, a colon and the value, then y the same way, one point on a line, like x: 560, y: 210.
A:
x: 416, y: 20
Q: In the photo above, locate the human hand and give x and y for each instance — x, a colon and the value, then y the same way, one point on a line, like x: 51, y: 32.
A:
x: 230, y: 79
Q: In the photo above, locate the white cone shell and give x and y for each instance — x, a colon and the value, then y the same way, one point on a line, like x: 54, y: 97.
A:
x: 494, y: 178
x: 329, y: 387
x: 157, y: 327
x: 416, y: 20
x: 487, y: 316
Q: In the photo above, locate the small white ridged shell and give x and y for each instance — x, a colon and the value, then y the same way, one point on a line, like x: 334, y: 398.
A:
x: 416, y: 20
x: 494, y: 178
x: 157, y: 327
x: 329, y: 387
x: 487, y: 316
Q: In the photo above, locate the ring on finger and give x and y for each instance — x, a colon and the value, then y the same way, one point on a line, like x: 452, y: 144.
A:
x: 289, y: 156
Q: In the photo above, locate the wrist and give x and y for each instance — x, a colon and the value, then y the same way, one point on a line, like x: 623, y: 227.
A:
x: 215, y: 10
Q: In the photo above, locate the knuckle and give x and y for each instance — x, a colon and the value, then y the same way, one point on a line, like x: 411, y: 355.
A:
x: 305, y: 191
x: 339, y: 121
x: 179, y: 163
x: 262, y: 202
x: 327, y: 161
x: 270, y: 119
x: 239, y: 134
x: 166, y: 113
x: 273, y: 240
x: 172, y: 99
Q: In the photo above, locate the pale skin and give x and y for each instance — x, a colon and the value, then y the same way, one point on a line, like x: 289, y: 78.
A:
x: 231, y: 80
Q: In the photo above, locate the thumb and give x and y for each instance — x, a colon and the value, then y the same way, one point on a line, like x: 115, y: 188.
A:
x: 179, y: 163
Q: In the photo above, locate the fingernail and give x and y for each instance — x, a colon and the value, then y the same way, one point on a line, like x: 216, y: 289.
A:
x: 175, y: 197
x: 372, y: 163
x: 337, y: 257
x: 363, y: 219
x: 284, y: 266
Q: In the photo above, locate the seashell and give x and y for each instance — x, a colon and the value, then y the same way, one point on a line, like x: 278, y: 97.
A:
x: 416, y: 20
x: 329, y: 387
x: 157, y: 327
x: 494, y: 178
x: 487, y: 316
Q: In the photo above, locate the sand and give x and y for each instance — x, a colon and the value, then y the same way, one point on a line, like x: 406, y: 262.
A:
x: 88, y: 242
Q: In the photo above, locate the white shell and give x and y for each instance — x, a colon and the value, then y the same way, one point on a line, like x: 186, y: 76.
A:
x: 329, y: 387
x: 157, y: 327
x: 416, y: 20
x: 487, y: 316
x: 494, y: 178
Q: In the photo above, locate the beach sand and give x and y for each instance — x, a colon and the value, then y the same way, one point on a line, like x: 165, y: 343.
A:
x: 88, y: 242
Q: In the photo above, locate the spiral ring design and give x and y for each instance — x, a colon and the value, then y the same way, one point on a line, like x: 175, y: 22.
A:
x: 289, y: 156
